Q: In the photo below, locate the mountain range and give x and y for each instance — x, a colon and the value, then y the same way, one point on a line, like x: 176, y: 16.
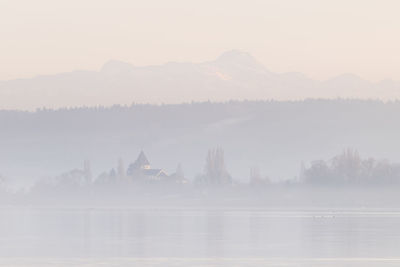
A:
x: 234, y: 75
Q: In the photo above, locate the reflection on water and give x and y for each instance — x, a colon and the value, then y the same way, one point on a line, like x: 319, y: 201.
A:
x: 202, y: 237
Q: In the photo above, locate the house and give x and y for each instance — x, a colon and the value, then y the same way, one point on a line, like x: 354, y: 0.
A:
x: 141, y: 169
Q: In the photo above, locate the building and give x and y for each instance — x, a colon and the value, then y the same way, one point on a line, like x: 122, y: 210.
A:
x: 141, y: 169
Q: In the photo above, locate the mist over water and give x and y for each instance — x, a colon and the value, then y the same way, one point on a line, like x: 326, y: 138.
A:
x: 283, y: 152
x: 201, y: 237
x: 307, y: 183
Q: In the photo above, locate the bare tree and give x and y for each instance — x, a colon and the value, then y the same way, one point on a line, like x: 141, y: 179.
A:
x: 215, y: 169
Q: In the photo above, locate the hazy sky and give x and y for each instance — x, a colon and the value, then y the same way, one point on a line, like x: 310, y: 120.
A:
x: 319, y: 38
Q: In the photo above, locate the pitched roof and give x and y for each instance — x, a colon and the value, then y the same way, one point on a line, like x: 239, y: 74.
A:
x: 152, y: 172
x: 141, y: 160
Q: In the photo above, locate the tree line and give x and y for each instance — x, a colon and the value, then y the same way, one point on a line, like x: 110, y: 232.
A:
x: 346, y: 168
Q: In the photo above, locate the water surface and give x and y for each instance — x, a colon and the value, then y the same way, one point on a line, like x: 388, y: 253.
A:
x: 198, y: 237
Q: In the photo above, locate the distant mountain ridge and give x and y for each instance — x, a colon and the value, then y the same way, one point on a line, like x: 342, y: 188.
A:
x: 234, y: 75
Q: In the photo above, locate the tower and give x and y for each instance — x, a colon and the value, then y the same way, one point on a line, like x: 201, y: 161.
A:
x: 142, y: 162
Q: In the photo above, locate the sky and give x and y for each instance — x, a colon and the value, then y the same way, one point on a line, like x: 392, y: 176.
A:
x: 319, y: 38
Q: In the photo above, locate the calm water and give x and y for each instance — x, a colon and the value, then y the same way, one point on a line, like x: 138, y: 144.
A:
x: 196, y: 237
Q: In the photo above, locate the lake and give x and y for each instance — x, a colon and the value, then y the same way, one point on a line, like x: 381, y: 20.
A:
x: 198, y: 237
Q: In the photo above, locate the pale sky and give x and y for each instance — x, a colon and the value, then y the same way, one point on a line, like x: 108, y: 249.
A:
x: 319, y: 38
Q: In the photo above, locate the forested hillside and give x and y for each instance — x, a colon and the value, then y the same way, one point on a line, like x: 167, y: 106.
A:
x: 273, y: 136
